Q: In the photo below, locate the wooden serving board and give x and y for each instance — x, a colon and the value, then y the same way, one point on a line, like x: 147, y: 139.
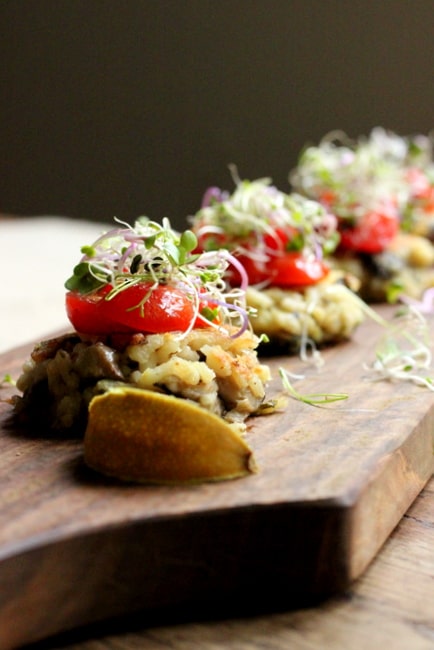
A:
x: 77, y: 548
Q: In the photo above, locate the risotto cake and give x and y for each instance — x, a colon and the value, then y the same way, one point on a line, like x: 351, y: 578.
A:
x: 283, y: 242
x: 157, y: 331
x: 381, y: 188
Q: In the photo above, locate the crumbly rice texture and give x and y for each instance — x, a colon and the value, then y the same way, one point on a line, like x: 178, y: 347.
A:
x: 406, y: 267
x: 220, y: 373
x: 321, y: 314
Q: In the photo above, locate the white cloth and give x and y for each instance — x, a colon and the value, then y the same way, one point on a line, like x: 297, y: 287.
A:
x: 37, y: 255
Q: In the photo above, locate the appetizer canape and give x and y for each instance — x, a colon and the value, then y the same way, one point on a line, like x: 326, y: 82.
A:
x: 283, y: 241
x: 161, y: 371
x: 412, y: 158
x: 380, y: 191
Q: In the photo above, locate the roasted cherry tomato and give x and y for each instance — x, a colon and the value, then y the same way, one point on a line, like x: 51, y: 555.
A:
x: 328, y: 198
x: 296, y: 270
x: 284, y: 267
x: 138, y: 308
x: 86, y: 313
x: 286, y: 270
x: 212, y: 242
x: 427, y: 200
x: 372, y: 234
x: 422, y: 190
x: 419, y: 183
x: 283, y: 239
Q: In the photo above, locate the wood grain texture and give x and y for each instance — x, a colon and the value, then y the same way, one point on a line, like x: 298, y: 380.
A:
x: 76, y: 548
x: 390, y: 605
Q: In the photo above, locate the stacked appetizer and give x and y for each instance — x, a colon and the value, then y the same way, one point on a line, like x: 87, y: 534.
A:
x: 412, y: 158
x: 161, y: 371
x: 381, y: 190
x: 283, y: 242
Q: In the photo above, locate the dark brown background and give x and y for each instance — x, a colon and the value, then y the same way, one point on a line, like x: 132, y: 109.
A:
x: 129, y: 107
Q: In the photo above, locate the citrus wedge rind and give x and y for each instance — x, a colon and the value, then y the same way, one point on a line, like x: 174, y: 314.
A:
x: 144, y: 436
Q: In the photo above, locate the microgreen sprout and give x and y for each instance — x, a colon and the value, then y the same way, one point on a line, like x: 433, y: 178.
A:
x: 89, y: 251
x: 403, y: 353
x: 7, y: 381
x: 425, y: 305
x: 153, y: 253
x: 312, y: 399
x: 251, y: 218
x: 383, y: 171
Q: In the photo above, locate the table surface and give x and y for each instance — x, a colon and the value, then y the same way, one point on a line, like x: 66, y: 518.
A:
x: 392, y: 603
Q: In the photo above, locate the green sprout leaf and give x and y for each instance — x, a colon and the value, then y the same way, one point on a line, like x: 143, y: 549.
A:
x: 188, y: 241
x: 7, y: 381
x: 313, y: 399
x: 86, y: 278
x: 150, y: 241
x: 209, y: 313
x: 89, y: 251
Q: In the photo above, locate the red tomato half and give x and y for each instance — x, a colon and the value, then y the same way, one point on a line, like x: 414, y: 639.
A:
x: 281, y: 239
x: 86, y: 313
x: 212, y: 242
x: 286, y: 270
x: 372, y: 234
x: 428, y: 200
x: 419, y: 182
x: 166, y: 309
x: 295, y: 270
x: 328, y: 198
x: 422, y: 190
